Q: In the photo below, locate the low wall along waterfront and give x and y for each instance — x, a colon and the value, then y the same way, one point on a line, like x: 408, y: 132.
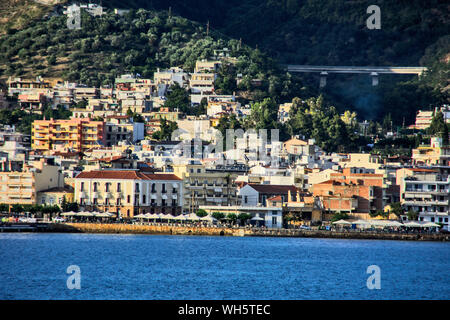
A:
x: 212, y: 231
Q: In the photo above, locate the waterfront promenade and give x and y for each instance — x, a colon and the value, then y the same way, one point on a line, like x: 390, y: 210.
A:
x: 178, y: 229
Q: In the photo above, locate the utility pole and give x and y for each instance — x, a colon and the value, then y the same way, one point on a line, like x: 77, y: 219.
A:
x: 170, y: 12
x: 207, y: 28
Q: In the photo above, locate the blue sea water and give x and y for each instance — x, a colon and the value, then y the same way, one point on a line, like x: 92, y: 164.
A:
x: 33, y: 266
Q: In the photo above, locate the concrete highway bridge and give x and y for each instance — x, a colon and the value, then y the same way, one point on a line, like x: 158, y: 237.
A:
x: 372, y: 71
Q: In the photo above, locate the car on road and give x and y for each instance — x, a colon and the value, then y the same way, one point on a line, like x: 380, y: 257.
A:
x: 305, y: 227
x: 58, y: 220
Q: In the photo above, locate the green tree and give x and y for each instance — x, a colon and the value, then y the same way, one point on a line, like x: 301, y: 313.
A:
x: 339, y: 216
x: 178, y: 98
x: 397, y: 209
x: 232, y: 216
x: 244, y: 217
x: 201, y: 213
x: 165, y: 131
x: 218, y: 215
x: 412, y: 215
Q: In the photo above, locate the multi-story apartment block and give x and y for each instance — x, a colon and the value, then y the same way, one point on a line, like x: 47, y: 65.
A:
x: 74, y: 134
x: 206, y: 186
x: 129, y: 192
x: 24, y: 86
x: 22, y: 186
x: 433, y: 154
x: 207, y: 66
x: 202, y: 83
x: 426, y: 191
x: 170, y: 77
x: 122, y: 128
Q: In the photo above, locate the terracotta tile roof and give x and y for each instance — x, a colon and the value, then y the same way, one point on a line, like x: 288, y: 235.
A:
x: 276, y: 198
x: 125, y: 174
x: 421, y: 170
x: 110, y: 159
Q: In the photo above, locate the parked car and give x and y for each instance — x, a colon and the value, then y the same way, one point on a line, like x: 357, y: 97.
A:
x: 58, y: 220
x: 305, y: 227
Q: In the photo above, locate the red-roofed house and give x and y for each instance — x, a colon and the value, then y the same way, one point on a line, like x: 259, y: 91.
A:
x: 129, y: 192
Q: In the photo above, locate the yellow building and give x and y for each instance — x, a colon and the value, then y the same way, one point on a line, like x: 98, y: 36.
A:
x: 22, y: 187
x: 129, y: 192
x: 433, y: 154
x: 55, y: 196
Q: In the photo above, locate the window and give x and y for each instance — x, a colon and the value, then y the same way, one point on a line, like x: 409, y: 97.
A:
x: 118, y: 202
x: 137, y: 187
x: 82, y: 186
x: 94, y: 201
x: 163, y: 188
x: 118, y: 187
x: 274, y: 221
x: 246, y: 199
x: 107, y: 186
x: 153, y: 188
x: 144, y: 199
x: 95, y: 186
x: 128, y: 199
x: 106, y: 202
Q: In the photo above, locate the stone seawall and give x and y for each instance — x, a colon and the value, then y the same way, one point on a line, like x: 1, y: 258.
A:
x: 207, y: 231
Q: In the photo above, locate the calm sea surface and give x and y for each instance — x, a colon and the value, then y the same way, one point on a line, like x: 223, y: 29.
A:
x: 33, y: 266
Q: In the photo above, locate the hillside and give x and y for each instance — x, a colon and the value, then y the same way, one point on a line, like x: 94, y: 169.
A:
x: 17, y: 14
x: 328, y: 32
x: 138, y: 42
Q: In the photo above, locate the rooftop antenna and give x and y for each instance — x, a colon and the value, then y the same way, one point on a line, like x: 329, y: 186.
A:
x: 207, y: 28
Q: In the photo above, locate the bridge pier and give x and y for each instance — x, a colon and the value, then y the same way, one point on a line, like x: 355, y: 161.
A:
x: 374, y: 76
x: 323, y: 79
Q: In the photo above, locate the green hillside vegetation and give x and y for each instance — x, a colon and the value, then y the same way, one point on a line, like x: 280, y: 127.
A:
x: 138, y: 42
x: 330, y: 32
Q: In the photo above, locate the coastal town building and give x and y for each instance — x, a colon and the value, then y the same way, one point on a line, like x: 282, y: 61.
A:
x: 127, y: 193
x: 426, y: 192
x: 73, y: 134
x: 206, y: 187
x: 21, y: 185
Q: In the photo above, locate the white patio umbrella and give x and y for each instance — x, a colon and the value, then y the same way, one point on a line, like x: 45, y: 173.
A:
x: 208, y: 218
x: 412, y: 224
x: 169, y: 217
x: 192, y: 216
x: 180, y: 217
x: 257, y: 218
x: 109, y: 214
x: 85, y: 214
x: 430, y: 224
x: 341, y: 222
x: 152, y: 216
x: 141, y: 216
x: 70, y: 213
x: 394, y: 224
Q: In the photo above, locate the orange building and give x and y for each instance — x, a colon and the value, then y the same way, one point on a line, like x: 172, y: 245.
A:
x: 64, y: 135
x: 352, y: 192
